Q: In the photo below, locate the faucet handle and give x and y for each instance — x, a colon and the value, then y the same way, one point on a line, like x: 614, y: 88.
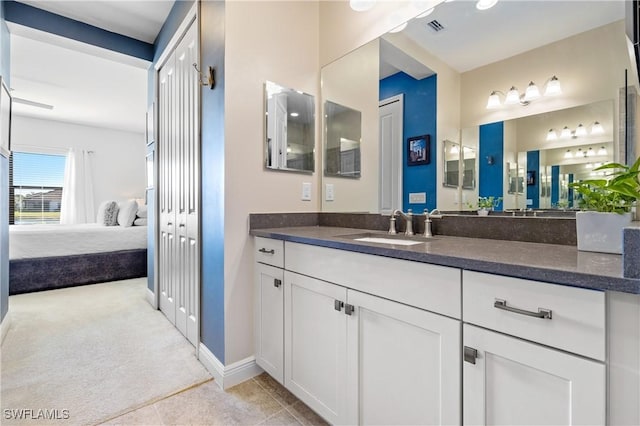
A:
x: 392, y: 224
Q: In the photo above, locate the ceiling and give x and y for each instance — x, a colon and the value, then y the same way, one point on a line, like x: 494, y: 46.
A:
x: 85, y: 84
x: 472, y: 38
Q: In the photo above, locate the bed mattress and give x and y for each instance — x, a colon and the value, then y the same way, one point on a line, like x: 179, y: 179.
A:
x: 35, y: 241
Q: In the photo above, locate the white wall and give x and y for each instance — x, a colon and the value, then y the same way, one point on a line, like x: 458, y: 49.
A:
x: 265, y: 40
x: 118, y: 159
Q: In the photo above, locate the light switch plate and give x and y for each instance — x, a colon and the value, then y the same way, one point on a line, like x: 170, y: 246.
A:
x: 529, y: 202
x: 417, y: 198
x: 306, y: 191
x: 328, y: 192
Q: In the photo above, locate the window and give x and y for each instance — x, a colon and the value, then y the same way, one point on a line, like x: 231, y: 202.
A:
x: 35, y: 188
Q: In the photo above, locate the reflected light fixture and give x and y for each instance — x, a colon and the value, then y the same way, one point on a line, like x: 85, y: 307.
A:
x: 362, y: 5
x: 566, y: 133
x: 513, y: 97
x: 552, y: 135
x: 532, y: 92
x: 485, y: 4
x: 590, y: 152
x: 581, y: 130
x: 597, y: 129
x: 294, y: 114
x: 602, y: 151
x: 588, y: 166
x: 568, y: 154
x: 454, y: 149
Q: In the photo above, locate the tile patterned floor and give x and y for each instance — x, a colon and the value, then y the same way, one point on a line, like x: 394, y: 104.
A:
x: 259, y: 401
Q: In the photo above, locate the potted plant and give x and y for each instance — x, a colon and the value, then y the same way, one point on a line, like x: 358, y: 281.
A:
x: 486, y: 204
x: 606, y: 206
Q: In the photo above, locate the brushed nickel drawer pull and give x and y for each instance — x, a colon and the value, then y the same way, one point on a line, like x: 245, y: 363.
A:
x: 264, y: 250
x: 542, y: 313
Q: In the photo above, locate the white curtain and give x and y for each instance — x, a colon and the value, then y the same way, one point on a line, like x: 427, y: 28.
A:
x: 77, y: 192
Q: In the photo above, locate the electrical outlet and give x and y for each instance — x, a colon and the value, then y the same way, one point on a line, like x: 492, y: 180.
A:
x: 328, y: 192
x: 306, y: 191
x: 417, y: 198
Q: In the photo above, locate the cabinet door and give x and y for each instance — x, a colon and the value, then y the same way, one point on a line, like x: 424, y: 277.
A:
x: 404, y: 364
x: 269, y: 320
x: 515, y: 382
x: 315, y: 345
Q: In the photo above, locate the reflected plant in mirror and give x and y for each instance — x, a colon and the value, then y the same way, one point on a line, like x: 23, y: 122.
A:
x: 290, y: 129
x: 343, y: 133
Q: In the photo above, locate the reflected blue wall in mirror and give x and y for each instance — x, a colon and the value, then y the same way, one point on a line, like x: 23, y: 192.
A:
x: 555, y: 185
x: 533, y: 189
x: 419, y: 108
x: 491, y: 145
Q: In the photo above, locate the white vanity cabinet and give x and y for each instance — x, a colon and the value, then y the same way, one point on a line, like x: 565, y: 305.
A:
x: 269, y: 306
x: 358, y: 358
x: 533, y: 353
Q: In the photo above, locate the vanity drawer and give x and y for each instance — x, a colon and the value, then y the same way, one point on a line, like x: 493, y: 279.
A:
x: 577, y: 318
x: 269, y: 251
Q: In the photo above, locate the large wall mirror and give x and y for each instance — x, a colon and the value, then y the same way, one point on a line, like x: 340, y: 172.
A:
x: 290, y: 129
x: 463, y: 55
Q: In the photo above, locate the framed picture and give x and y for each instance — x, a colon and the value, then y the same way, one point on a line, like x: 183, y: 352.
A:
x: 418, y: 150
x: 5, y: 119
x: 150, y: 124
x: 531, y: 177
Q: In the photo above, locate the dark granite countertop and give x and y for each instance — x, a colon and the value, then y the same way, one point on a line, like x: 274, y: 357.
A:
x: 552, y: 263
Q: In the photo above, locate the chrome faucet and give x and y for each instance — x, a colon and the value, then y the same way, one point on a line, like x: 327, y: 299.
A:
x: 408, y: 217
x: 427, y: 221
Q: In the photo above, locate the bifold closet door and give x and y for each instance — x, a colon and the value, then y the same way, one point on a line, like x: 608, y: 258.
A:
x: 179, y: 153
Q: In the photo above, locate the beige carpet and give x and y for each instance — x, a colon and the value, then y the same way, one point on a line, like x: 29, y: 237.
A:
x: 96, y: 351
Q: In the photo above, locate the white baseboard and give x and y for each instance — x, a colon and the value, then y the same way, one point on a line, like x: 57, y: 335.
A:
x: 151, y: 298
x: 4, y: 326
x: 228, y: 375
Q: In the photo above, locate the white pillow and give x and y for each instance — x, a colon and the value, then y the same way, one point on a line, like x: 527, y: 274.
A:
x: 142, y: 211
x: 107, y: 213
x: 127, y: 213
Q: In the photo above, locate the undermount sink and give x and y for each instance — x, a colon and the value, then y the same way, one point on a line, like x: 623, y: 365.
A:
x: 393, y: 241
x: 380, y: 238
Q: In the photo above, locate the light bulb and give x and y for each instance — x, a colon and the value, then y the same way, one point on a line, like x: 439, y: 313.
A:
x: 454, y: 149
x: 552, y: 135
x: 566, y: 133
x: 362, y: 5
x: 597, y: 129
x: 493, y: 101
x: 602, y: 151
x: 553, y: 87
x: 532, y: 92
x: 485, y: 4
x: 568, y: 154
x: 581, y: 130
x: 513, y: 97
x: 591, y: 152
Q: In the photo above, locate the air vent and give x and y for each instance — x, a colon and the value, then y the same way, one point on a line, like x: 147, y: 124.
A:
x: 436, y: 26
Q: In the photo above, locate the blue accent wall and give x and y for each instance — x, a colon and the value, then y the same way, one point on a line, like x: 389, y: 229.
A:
x: 420, y: 98
x: 533, y: 191
x: 555, y: 185
x: 212, y: 27
x: 491, y: 145
x: 42, y: 20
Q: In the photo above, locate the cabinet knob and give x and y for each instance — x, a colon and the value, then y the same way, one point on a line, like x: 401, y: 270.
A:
x: 349, y: 309
x: 337, y: 305
x: 277, y: 283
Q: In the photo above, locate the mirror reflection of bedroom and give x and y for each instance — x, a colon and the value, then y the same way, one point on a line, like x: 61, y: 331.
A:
x: 77, y: 170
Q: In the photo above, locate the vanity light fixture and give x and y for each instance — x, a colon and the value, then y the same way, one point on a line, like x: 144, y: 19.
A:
x: 581, y: 130
x: 362, y: 5
x: 602, y: 151
x: 590, y: 152
x: 552, y: 135
x: 597, y: 129
x: 566, y: 133
x: 568, y: 154
x: 485, y: 4
x: 454, y: 150
x: 513, y: 97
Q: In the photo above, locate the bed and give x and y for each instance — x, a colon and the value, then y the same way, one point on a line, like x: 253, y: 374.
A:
x: 43, y: 257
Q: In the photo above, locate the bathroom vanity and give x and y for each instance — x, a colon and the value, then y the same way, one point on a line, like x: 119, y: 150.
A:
x: 448, y: 330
